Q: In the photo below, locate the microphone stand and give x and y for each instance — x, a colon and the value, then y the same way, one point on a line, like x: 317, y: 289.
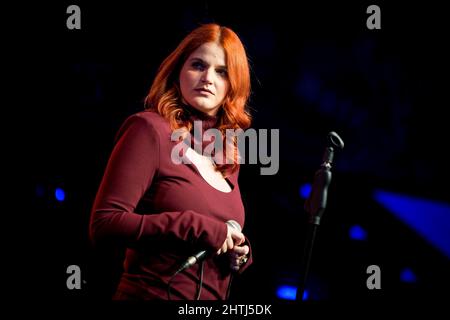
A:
x: 315, y: 206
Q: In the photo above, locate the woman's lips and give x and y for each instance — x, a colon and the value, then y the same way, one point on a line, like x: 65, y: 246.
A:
x: 204, y: 91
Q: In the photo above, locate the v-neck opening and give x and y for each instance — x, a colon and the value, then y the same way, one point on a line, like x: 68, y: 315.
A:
x: 197, y: 171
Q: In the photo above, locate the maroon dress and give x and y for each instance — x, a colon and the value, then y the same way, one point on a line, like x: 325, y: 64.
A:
x: 163, y: 213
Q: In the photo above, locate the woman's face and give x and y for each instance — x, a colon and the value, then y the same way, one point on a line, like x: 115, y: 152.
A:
x: 204, y: 78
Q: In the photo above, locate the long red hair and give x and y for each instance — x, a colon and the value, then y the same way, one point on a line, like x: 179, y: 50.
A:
x: 165, y: 95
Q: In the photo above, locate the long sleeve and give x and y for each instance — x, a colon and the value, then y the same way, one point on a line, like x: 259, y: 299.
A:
x: 131, y: 169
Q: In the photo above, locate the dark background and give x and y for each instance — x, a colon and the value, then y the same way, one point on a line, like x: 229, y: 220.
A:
x: 315, y: 68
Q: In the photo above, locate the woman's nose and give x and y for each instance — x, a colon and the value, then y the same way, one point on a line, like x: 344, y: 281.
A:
x: 207, y: 76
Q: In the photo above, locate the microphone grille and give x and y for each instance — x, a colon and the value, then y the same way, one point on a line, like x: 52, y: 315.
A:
x: 234, y: 224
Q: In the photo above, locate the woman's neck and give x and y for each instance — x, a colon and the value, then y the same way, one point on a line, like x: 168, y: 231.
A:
x: 192, y: 114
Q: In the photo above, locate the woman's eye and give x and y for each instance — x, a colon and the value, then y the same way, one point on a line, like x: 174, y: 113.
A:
x: 222, y: 72
x: 198, y: 65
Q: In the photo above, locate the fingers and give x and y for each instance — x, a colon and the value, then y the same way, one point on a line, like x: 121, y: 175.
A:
x: 234, y: 238
x: 238, y: 237
x: 228, y: 244
x: 235, y: 268
x: 238, y: 256
x: 241, y: 251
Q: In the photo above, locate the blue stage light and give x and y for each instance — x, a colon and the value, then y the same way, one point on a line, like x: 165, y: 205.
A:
x: 430, y: 219
x: 287, y: 292
x: 356, y: 232
x: 60, y: 194
x: 407, y: 275
x: 305, y: 190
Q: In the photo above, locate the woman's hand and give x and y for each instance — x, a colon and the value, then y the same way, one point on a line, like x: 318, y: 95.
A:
x: 238, y: 256
x: 234, y: 238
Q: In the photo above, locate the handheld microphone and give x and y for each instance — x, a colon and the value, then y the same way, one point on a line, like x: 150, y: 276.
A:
x: 201, y: 255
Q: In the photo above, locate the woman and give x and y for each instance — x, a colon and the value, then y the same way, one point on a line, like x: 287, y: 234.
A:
x: 163, y: 211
